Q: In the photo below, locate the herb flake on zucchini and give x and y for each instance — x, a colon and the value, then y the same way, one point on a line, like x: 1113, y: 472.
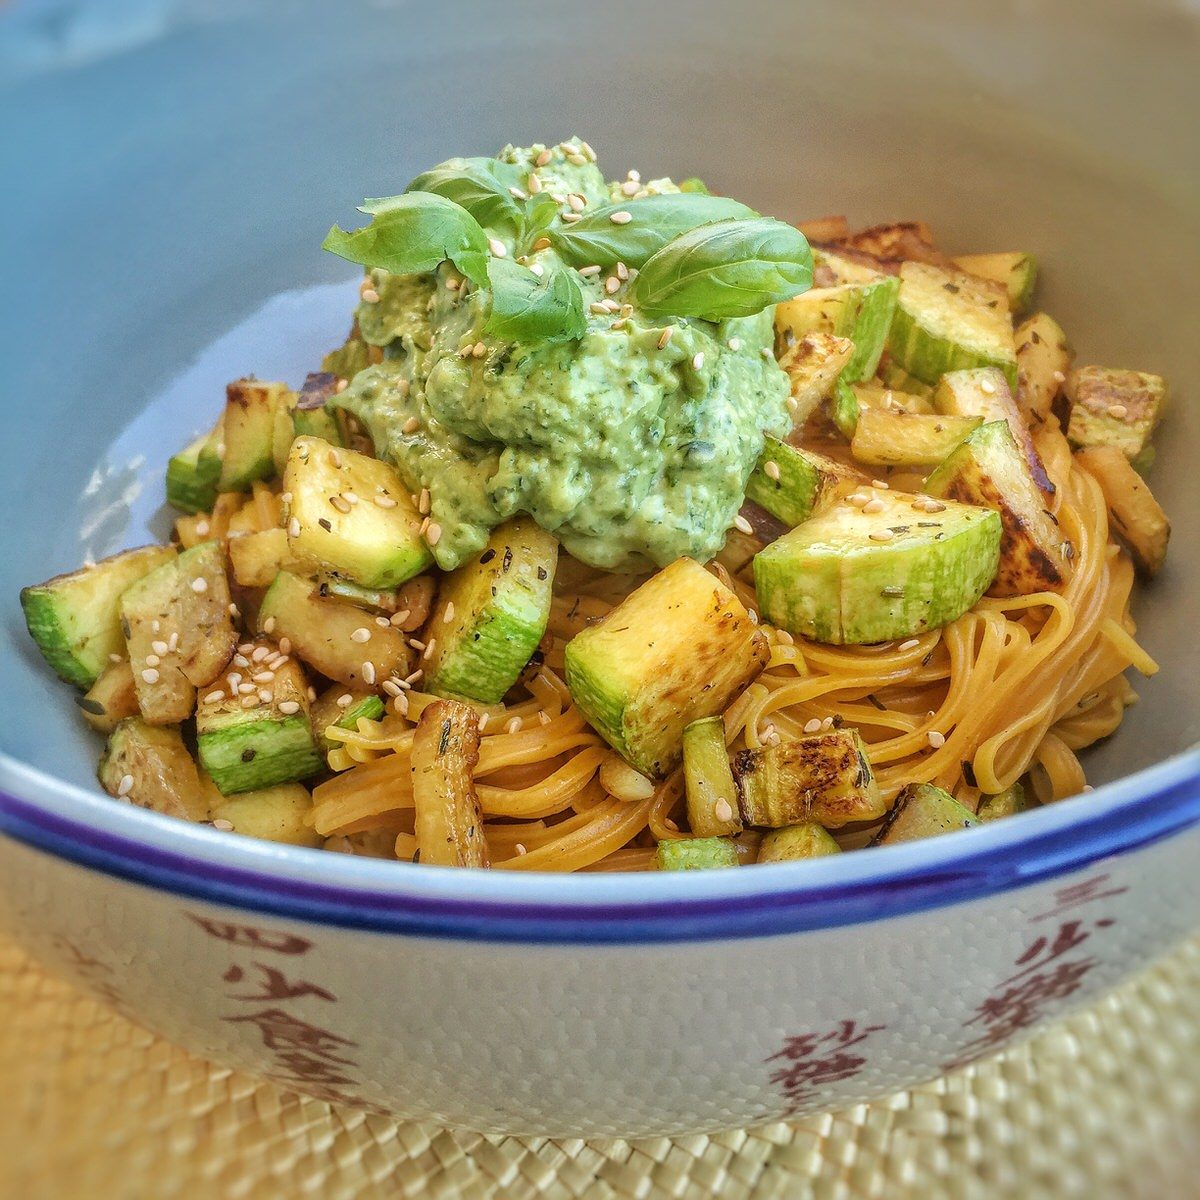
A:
x: 1111, y: 407
x: 149, y: 766
x: 923, y: 811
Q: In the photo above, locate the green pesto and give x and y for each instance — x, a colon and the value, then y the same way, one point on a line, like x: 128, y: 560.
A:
x: 631, y: 454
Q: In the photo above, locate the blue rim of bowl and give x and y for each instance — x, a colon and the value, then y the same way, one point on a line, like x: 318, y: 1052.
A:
x: 197, y: 863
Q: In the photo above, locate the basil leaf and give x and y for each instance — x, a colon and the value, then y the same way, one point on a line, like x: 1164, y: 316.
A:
x: 413, y: 234
x: 727, y: 269
x: 480, y: 185
x: 695, y: 185
x: 654, y: 221
x: 526, y: 308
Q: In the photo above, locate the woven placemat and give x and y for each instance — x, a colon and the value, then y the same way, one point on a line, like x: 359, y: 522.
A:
x: 1105, y: 1105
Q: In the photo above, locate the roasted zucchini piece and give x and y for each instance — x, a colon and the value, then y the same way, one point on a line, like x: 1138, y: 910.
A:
x: 791, y: 483
x: 712, y: 798
x: 822, y: 778
x: 985, y: 393
x: 696, y: 854
x: 893, y: 375
x: 679, y: 648
x: 262, y: 737
x: 149, y: 766
x: 352, y: 515
x: 149, y: 619
x: 895, y: 566
x: 950, y: 321
x: 989, y: 469
x: 1135, y: 514
x: 206, y: 634
x: 861, y: 312
x: 1043, y: 358
x: 491, y: 614
x: 275, y: 814
x: 348, y: 359
x: 1114, y: 408
x: 381, y: 601
x: 448, y: 816
x: 874, y: 394
x: 110, y: 699
x: 897, y: 439
x: 339, y: 640
x: 1015, y: 270
x: 249, y: 432
x: 1005, y: 804
x: 256, y: 558
x: 794, y: 842
x: 194, y: 473
x: 75, y: 619
x: 922, y: 811
x: 813, y: 364
x: 337, y: 707
x: 844, y: 409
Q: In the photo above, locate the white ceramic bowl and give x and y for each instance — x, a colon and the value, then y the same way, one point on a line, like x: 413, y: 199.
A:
x: 172, y: 174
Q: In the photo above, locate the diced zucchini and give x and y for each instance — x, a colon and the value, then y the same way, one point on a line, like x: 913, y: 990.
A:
x: 851, y: 576
x: 985, y: 393
x: 276, y: 814
x: 1005, y: 804
x: 1015, y: 270
x: 262, y: 738
x: 1135, y: 514
x: 348, y: 359
x: 327, y: 711
x: 813, y: 365
x: 352, y: 515
x: 824, y: 778
x: 149, y: 614
x: 249, y: 432
x: 75, y: 619
x: 110, y: 699
x: 950, y: 321
x: 825, y: 229
x: 448, y: 817
x: 793, y: 842
x: 310, y: 417
x: 844, y: 409
x: 922, y: 811
x: 897, y: 241
x: 896, y: 439
x: 861, y: 312
x: 712, y: 798
x: 379, y: 600
x: 329, y: 635
x: 193, y: 473
x: 893, y: 375
x: 678, y: 648
x: 696, y: 854
x: 873, y: 394
x: 739, y: 550
x: 988, y: 469
x: 206, y: 634
x: 1043, y: 358
x: 1114, y: 408
x: 149, y: 766
x: 800, y: 482
x: 492, y: 612
x: 840, y: 267
x: 256, y: 558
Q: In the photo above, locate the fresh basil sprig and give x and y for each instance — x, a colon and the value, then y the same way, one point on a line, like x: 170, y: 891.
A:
x: 725, y: 269
x: 483, y: 186
x: 414, y: 234
x: 529, y: 308
x: 653, y: 222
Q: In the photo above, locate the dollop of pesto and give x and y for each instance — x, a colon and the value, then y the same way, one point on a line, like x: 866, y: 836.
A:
x: 632, y: 444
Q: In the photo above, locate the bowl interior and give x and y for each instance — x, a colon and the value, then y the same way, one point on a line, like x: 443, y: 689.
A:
x: 171, y: 175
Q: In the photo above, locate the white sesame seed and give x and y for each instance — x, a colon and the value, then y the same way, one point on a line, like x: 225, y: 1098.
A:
x: 411, y: 425
x: 543, y: 158
x: 265, y: 695
x: 416, y: 643
x: 428, y: 652
x: 537, y: 269
x: 344, y: 700
x: 534, y: 184
x: 622, y: 272
x: 222, y: 825
x: 287, y: 707
x: 448, y: 615
x: 881, y: 535
x: 263, y: 676
x: 368, y: 672
x: 497, y: 247
x: 152, y: 660
x: 202, y: 528
x: 433, y: 533
x: 160, y: 647
x: 249, y: 701
x: 370, y: 296
x: 269, y: 625
x: 793, y: 405
x: 771, y: 469
x: 391, y: 687
x: 246, y: 689
x: 398, y: 618
x: 350, y: 497
x: 517, y: 194
x: 520, y: 849
x: 362, y: 634
x: 115, y: 658
x: 484, y: 718
x: 812, y: 726
x: 414, y: 676
x: 155, y: 625
x: 752, y: 615
x: 880, y: 483
x: 735, y: 343
x: 423, y: 504
x: 911, y: 644
x: 285, y: 645
x: 698, y: 360
x: 630, y: 187
x: 858, y: 499
x: 740, y: 523
x: 384, y: 501
x: 214, y: 696
x: 1059, y: 377
x: 479, y: 350
x: 150, y: 675
x: 513, y: 725
x: 1118, y: 411
x: 294, y: 527
x: 400, y: 704
x: 125, y: 786
x: 621, y: 218
x: 312, y: 693
x: 577, y: 160
x: 591, y: 269
x: 873, y: 506
x: 936, y: 740
x: 611, y: 284
x: 577, y: 202
x: 543, y: 717
x: 569, y: 218
x: 827, y: 723
x: 260, y: 652
x: 233, y: 679
x: 234, y: 611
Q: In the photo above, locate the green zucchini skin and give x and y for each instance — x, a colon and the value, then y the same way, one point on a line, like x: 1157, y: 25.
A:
x: 923, y: 811
x: 696, y: 854
x: 193, y: 475
x: 795, y: 842
x: 802, y: 481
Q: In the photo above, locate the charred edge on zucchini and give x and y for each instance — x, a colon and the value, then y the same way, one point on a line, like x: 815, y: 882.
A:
x: 449, y: 819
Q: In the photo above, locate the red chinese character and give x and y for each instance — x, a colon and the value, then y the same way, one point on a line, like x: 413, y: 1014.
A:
x: 248, y: 935
x: 275, y: 985
x: 1080, y: 893
x: 810, y: 1065
x: 1044, y: 950
x: 309, y: 1069
x: 283, y: 1032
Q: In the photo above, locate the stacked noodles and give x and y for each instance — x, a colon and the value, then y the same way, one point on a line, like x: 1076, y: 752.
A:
x: 1011, y: 689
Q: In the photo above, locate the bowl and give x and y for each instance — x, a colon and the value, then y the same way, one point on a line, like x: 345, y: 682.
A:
x: 172, y: 169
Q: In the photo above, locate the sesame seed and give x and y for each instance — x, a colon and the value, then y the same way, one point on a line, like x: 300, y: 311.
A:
x: 265, y: 695
x: 858, y: 499
x: 448, y: 615
x: 513, y: 725
x: 433, y: 533
x: 735, y: 343
x: 484, y: 718
x: 263, y: 676
x: 543, y: 717
x: 740, y: 523
x: 577, y: 160
x: 543, y: 158
x: 155, y: 625
x: 234, y: 611
x: 621, y: 218
x: 287, y: 707
x: 1118, y: 410
x: 223, y: 825
x: 260, y: 652
x: 479, y: 350
x: 611, y: 284
x: 766, y: 352
x: 370, y: 296
x: 335, y: 459
x: 416, y: 643
x: 391, y: 687
x: 173, y: 642
x: 782, y: 635
x: 987, y: 386
x: 269, y: 625
x: 412, y: 678
x: 497, y: 247
x: 125, y: 786
x: 936, y: 740
x: 368, y: 672
x: 214, y: 696
x: 294, y: 527
x: 538, y: 269
x: 577, y: 202
x: 350, y: 497
x: 827, y: 723
x: 384, y: 501
x: 670, y: 824
x: 879, y: 483
x: 246, y: 689
x: 622, y: 271
x: 362, y: 634
x: 152, y: 660
x: 570, y: 218
x: 630, y: 187
x: 285, y: 645
x: 411, y: 425
x: 812, y: 726
x: 400, y: 704
x: 344, y: 700
x: 202, y: 527
x: 517, y: 194
x: 1059, y: 377
x: 115, y: 658
x: 398, y: 618
x: 752, y: 615
x: 911, y: 644
x: 233, y: 679
x: 312, y: 693
x: 150, y: 675
x: 543, y: 243
x: 341, y: 385
x: 873, y: 506
x: 881, y: 535
x: 339, y: 503
x: 428, y: 653
x: 423, y: 504
x: 698, y: 360
x: 591, y: 269
x: 534, y: 184
x: 793, y: 405
x: 382, y: 622
x: 249, y: 701
x: 520, y: 849
x: 771, y: 469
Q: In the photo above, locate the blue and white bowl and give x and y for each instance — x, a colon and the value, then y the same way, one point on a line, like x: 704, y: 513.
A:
x: 170, y: 171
